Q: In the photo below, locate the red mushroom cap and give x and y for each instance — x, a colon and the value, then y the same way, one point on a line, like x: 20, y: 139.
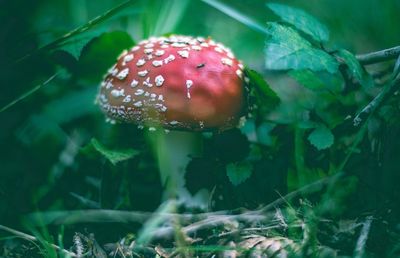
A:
x: 178, y: 82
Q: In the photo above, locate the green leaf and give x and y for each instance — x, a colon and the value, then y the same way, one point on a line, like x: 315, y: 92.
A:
x: 114, y: 156
x: 355, y: 68
x: 102, y: 52
x: 301, y: 20
x: 286, y: 49
x: 307, y: 79
x: 75, y: 45
x: 321, y: 137
x: 256, y: 81
x: 239, y: 172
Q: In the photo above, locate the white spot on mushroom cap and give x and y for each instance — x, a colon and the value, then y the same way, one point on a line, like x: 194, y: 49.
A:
x: 189, y: 84
x: 122, y: 75
x: 169, y: 59
x: 138, y: 103
x: 147, y: 82
x: 149, y: 45
x: 183, y: 53
x: 140, y: 62
x: 127, y: 59
x: 219, y: 50
x: 135, y: 48
x: 239, y: 73
x: 143, y: 73
x: 157, y: 63
x: 159, y: 52
x: 127, y: 99
x: 197, y: 48
x: 134, y: 83
x: 139, y: 92
x: 226, y: 61
x: 159, y: 80
x: 117, y: 93
x: 148, y: 50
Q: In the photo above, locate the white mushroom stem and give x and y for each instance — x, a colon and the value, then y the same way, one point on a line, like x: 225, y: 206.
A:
x: 174, y: 151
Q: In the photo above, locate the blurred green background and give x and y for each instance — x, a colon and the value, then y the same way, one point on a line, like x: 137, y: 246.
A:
x: 42, y: 166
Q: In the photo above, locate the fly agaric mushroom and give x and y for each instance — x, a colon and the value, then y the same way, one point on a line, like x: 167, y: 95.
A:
x: 179, y: 83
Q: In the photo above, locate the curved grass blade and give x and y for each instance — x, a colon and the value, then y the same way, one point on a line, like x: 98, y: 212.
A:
x: 240, y: 17
x: 28, y: 93
x: 79, y: 30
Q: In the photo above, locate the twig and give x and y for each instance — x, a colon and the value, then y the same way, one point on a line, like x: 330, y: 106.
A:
x: 377, y: 101
x: 379, y: 56
x: 362, y: 239
x: 34, y: 239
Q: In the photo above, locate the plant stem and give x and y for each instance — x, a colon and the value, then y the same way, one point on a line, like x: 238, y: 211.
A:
x: 379, y: 56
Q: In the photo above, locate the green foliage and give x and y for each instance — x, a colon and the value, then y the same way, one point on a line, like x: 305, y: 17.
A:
x: 114, y: 156
x: 286, y: 49
x: 355, y: 68
x: 308, y: 79
x: 238, y: 172
x: 301, y: 20
x: 264, y: 93
x: 321, y: 137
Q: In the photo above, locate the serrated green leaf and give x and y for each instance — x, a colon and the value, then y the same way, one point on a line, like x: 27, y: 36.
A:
x: 307, y: 79
x: 355, y: 68
x: 301, y: 20
x: 239, y: 172
x: 286, y: 49
x: 268, y: 96
x: 321, y: 137
x: 114, y: 156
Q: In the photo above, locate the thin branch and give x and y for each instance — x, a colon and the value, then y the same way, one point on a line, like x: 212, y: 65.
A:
x: 34, y: 239
x: 379, y: 56
x: 390, y: 89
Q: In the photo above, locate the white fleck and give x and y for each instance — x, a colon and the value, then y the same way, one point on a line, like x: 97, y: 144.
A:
x: 149, y: 57
x: 135, y: 48
x: 113, y: 70
x: 157, y: 63
x: 159, y: 80
x: 122, y: 75
x: 227, y: 61
x: 103, y: 98
x: 127, y: 99
x: 152, y: 129
x: 159, y: 52
x: 147, y: 94
x: 241, y: 66
x: 230, y: 55
x: 163, y: 108
x: 140, y: 62
x: 134, y: 83
x: 109, y: 85
x: 138, y: 103
x: 174, y: 122
x: 246, y: 79
x: 176, y: 44
x: 204, y: 44
x: 147, y: 82
x: 153, y: 95
x: 149, y: 45
x: 127, y: 59
x: 139, y: 92
x: 166, y: 131
x: 211, y: 42
x: 169, y: 59
x: 148, y: 51
x: 117, y: 93
x: 123, y: 53
x: 197, y: 48
x: 239, y: 73
x: 161, y: 97
x: 183, y: 53
x: 219, y: 50
x: 143, y: 73
x: 189, y: 84
x: 164, y: 46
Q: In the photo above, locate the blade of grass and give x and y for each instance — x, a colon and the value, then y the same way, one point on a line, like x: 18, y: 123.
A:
x: 34, y: 239
x: 92, y: 23
x: 240, y: 17
x: 28, y: 93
